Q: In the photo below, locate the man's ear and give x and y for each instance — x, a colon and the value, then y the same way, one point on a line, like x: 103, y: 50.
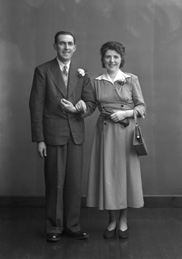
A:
x: 55, y: 46
x: 74, y: 49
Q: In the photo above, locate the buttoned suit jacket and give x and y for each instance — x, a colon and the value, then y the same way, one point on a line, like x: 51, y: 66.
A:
x: 49, y: 122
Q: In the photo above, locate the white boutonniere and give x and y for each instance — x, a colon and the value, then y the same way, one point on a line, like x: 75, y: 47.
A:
x: 81, y: 72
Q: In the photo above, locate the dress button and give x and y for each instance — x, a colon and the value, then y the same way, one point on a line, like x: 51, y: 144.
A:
x: 122, y: 105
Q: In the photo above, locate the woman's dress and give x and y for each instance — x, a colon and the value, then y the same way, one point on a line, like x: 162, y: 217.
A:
x: 114, y: 181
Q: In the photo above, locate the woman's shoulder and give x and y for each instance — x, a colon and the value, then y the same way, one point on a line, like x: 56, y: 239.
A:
x: 98, y: 77
x: 133, y: 76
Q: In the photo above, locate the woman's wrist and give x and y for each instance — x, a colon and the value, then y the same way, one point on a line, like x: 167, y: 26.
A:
x: 129, y: 113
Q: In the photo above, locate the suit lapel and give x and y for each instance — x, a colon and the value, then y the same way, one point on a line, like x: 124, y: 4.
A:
x: 73, y: 78
x: 57, y: 78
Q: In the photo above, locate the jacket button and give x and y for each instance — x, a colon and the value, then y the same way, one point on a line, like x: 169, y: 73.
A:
x: 122, y: 105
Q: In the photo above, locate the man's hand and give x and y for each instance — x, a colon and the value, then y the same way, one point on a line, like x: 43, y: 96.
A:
x: 41, y: 149
x: 81, y: 106
x: 67, y: 106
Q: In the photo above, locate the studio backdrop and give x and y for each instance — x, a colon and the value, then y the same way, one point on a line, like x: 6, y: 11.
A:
x: 151, y: 31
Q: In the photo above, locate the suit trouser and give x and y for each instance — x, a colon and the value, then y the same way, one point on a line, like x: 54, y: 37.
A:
x: 63, y: 173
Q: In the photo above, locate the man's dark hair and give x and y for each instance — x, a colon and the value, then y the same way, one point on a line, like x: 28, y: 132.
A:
x: 64, y: 33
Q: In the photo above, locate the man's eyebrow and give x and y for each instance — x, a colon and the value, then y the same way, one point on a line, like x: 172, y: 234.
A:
x: 69, y: 42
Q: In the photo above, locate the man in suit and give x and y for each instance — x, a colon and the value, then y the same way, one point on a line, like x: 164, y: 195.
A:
x: 60, y: 99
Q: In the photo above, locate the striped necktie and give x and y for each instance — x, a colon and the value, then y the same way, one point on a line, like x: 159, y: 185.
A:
x: 65, y: 71
x: 65, y: 75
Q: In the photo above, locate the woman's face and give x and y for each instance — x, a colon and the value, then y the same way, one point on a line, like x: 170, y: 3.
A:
x: 112, y: 61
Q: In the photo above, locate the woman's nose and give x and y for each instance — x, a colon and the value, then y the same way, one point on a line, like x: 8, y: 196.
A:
x: 112, y: 59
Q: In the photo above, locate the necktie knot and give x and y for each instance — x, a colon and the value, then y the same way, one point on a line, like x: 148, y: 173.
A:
x: 65, y: 72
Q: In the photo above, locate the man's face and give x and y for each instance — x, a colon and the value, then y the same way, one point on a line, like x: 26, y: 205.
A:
x: 65, y: 47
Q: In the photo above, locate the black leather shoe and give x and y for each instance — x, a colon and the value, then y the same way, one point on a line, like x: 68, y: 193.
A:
x: 123, y: 234
x: 78, y: 235
x: 109, y: 233
x: 51, y: 237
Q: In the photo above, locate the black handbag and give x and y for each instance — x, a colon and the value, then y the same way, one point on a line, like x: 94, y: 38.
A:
x: 138, y: 140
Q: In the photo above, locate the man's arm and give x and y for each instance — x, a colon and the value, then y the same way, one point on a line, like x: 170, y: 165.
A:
x: 86, y: 105
x: 36, y: 105
x: 67, y: 106
x: 88, y: 97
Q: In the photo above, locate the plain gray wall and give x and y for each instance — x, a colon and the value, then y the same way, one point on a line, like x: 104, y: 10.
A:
x: 152, y: 34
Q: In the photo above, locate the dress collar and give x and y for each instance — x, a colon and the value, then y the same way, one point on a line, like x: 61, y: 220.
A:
x: 119, y: 77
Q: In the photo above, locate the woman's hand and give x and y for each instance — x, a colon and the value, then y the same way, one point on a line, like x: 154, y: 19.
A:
x: 67, y: 106
x: 81, y: 106
x: 118, y: 116
x: 121, y: 115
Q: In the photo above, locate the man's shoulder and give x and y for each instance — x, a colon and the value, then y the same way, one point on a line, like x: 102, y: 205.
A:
x: 47, y: 64
x: 77, y: 66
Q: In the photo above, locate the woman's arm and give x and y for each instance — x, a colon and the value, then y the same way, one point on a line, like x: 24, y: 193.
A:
x: 137, y: 97
x: 121, y: 115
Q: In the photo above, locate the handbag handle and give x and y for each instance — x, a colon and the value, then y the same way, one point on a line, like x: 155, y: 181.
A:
x: 135, y: 117
x: 137, y: 131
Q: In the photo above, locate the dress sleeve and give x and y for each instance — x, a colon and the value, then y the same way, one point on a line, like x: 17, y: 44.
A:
x: 137, y: 96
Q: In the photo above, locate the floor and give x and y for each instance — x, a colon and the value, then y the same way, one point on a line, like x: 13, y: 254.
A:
x: 155, y: 233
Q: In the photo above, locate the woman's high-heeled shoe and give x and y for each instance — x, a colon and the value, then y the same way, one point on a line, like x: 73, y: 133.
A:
x: 109, y: 233
x: 123, y: 234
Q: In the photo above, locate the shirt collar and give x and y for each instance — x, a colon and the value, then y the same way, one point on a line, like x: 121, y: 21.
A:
x: 119, y: 77
x: 61, y: 64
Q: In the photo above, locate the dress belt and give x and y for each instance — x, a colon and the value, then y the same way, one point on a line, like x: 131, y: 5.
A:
x: 124, y: 122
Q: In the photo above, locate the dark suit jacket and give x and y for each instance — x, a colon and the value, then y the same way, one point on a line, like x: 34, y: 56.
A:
x: 49, y: 122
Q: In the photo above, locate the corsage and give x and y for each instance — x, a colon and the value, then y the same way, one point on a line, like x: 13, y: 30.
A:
x: 81, y: 72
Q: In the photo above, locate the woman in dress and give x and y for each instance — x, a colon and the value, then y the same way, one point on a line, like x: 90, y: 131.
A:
x: 114, y: 182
